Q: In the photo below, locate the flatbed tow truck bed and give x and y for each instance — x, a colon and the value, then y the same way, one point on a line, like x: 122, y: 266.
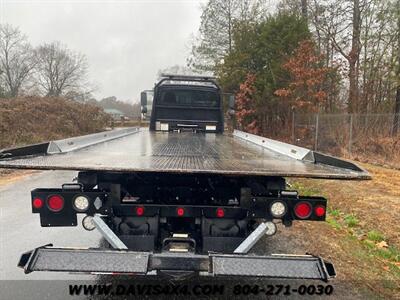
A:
x: 140, y: 150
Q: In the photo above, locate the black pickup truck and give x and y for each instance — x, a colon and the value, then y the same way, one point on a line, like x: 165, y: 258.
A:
x: 180, y: 197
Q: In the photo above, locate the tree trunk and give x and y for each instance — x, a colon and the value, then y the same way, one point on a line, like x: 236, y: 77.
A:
x: 230, y: 26
x: 304, y: 9
x: 353, y: 59
x: 396, y: 120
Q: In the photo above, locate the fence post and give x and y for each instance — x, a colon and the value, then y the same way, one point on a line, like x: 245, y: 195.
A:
x: 316, y: 132
x: 350, y: 133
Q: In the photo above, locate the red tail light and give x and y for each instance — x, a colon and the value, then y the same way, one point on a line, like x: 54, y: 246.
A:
x: 220, y: 212
x: 319, y: 211
x: 140, y: 210
x: 302, y: 210
x: 180, y: 211
x: 55, y: 203
x: 37, y: 203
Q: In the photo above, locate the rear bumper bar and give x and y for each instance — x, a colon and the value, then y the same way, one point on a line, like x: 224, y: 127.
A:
x: 48, y: 258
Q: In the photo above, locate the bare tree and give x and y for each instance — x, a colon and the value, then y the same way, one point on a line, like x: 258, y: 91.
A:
x: 353, y: 58
x: 16, y: 59
x: 59, y: 70
x: 340, y: 24
x: 215, y: 38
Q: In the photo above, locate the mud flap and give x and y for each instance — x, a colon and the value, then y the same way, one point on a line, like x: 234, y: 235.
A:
x: 124, y: 261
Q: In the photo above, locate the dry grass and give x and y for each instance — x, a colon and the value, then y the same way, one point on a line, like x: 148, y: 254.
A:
x: 8, y: 176
x: 28, y: 120
x: 362, y: 234
x: 384, y: 151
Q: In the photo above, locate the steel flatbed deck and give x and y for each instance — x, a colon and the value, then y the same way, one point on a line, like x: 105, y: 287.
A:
x: 140, y: 150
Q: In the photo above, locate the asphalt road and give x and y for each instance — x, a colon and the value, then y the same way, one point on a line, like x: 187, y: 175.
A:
x: 20, y: 231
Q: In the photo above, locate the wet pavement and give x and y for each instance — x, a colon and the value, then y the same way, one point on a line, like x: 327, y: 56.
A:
x: 20, y: 230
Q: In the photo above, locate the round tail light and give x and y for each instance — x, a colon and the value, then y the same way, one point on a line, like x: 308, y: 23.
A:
x: 37, y: 203
x: 303, y: 210
x: 319, y: 211
x: 55, y: 203
x: 180, y: 211
x: 139, y: 211
x: 220, y: 212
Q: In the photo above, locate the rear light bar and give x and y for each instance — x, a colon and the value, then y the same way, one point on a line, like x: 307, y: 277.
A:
x: 303, y: 208
x: 58, y: 207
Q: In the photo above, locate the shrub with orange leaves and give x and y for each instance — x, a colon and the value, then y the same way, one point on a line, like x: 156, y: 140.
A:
x: 305, y: 90
x: 245, y: 112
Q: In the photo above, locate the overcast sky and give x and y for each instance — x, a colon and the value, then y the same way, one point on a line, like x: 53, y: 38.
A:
x: 126, y: 41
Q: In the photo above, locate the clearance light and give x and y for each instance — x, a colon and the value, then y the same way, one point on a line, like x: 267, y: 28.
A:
x: 37, y: 203
x: 220, y: 212
x: 81, y: 203
x: 211, y: 127
x: 180, y: 211
x: 55, y: 203
x: 302, y: 210
x: 319, y: 211
x: 139, y: 211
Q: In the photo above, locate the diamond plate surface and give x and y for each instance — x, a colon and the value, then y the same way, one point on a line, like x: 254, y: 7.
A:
x: 86, y: 260
x: 279, y: 267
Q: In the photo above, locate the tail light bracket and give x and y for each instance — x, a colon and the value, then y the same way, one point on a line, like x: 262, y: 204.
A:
x: 67, y: 216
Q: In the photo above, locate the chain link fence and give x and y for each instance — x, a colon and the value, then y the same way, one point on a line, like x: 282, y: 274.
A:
x: 369, y: 137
